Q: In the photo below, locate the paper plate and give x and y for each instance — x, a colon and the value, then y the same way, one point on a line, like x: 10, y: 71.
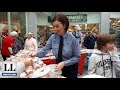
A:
x: 52, y: 68
x: 41, y: 71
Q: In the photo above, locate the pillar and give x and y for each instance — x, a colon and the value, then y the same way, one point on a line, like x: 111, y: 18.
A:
x: 9, y: 22
x: 104, y: 22
x: 31, y: 23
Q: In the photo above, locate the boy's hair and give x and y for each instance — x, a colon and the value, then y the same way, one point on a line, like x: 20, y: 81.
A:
x: 103, y: 39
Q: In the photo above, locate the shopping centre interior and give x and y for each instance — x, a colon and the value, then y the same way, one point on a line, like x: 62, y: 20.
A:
x: 40, y: 22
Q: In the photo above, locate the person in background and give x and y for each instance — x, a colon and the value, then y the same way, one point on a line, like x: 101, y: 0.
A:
x: 104, y: 60
x: 89, y: 41
x: 25, y: 37
x: 113, y: 30
x: 31, y: 43
x: 21, y: 41
x: 44, y: 37
x: 64, y: 46
x: 17, y: 43
x: 7, y: 46
x: 4, y: 32
x: 77, y: 33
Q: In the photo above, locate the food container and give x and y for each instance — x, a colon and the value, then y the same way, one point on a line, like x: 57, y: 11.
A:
x: 36, y: 66
x: 12, y: 58
x: 52, y: 57
x: 60, y: 77
x: 29, y: 70
x: 30, y: 75
x: 23, y: 75
x: 53, y: 73
x: 42, y: 72
x: 45, y: 58
x: 35, y: 59
x: 40, y: 63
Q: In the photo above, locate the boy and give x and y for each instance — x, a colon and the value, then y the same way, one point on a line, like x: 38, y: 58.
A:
x: 104, y: 60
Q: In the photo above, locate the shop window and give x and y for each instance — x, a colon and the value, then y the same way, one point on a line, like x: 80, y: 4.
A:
x: 43, y: 34
x: 3, y: 26
x: 115, y: 30
x: 18, y: 22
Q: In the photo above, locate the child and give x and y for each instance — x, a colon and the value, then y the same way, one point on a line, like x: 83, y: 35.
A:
x: 104, y: 60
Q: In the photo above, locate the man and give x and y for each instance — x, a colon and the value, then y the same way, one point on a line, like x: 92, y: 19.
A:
x: 77, y: 33
x: 17, y: 44
x: 31, y: 42
x: 89, y: 41
x: 21, y: 41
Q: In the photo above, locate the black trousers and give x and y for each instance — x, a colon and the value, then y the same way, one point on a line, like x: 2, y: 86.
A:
x: 70, y: 71
x: 5, y: 57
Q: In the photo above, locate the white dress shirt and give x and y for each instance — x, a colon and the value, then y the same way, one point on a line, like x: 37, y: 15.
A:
x: 31, y: 44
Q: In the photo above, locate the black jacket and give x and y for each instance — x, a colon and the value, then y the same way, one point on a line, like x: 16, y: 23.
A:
x: 89, y: 41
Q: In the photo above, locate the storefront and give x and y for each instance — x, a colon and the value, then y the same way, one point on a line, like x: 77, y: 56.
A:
x: 115, y: 27
x: 13, y: 21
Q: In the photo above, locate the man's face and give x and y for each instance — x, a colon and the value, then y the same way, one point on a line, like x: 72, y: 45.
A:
x: 29, y: 36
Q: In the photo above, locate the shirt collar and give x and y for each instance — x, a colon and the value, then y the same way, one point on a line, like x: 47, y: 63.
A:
x: 64, y: 36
